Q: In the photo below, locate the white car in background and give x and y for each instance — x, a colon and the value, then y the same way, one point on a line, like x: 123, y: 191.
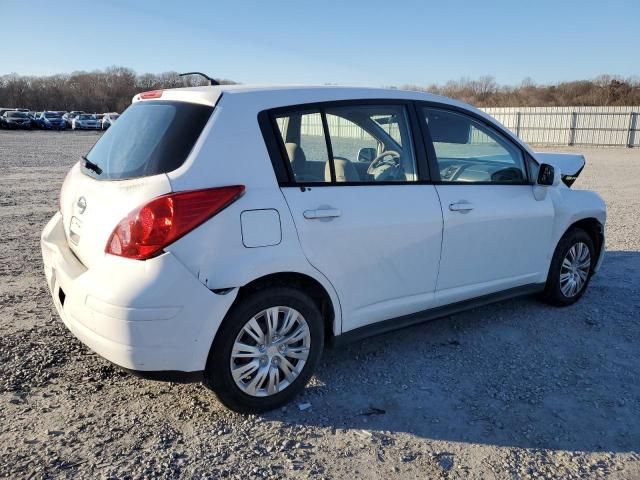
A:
x: 108, y: 119
x: 85, y: 121
x: 228, y: 233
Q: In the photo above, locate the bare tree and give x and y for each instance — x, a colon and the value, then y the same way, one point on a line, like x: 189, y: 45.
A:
x: 112, y: 89
x: 485, y: 92
x: 98, y: 91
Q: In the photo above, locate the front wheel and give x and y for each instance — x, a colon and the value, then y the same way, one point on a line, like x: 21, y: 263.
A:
x: 571, y: 268
x: 265, y: 350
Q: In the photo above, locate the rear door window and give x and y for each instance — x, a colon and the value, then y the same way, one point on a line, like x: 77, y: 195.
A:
x: 336, y: 144
x: 149, y: 138
x: 363, y: 149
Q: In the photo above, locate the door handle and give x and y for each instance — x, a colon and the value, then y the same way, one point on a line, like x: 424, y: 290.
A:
x: 462, y: 206
x: 322, y: 213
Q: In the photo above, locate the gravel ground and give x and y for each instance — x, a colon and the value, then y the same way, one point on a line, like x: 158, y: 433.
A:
x: 512, y: 390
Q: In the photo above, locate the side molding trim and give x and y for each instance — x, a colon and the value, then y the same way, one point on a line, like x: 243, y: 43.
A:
x: 431, y: 314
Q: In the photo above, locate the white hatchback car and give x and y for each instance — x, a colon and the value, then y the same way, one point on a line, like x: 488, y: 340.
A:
x: 228, y: 233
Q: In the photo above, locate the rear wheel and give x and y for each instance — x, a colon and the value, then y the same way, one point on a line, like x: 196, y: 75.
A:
x: 571, y: 268
x: 266, y: 350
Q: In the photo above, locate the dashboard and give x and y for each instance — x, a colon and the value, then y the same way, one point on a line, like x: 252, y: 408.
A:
x: 476, y: 170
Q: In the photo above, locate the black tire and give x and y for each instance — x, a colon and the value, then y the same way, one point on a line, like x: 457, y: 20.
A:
x: 553, y: 293
x: 217, y: 375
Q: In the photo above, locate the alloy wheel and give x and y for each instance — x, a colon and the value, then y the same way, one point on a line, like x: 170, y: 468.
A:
x: 270, y: 351
x: 574, y: 270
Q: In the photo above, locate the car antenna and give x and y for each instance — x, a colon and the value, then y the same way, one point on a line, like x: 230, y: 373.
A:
x: 212, y: 81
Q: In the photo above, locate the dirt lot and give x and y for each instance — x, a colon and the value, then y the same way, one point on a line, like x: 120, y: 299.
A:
x: 513, y: 390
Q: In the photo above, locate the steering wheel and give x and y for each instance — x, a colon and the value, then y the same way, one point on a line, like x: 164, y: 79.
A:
x: 381, y: 160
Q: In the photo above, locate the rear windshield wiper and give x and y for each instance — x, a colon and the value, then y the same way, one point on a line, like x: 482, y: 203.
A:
x: 91, y: 166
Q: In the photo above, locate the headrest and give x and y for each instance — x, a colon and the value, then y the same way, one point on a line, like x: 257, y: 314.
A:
x: 295, y: 153
x: 345, y: 171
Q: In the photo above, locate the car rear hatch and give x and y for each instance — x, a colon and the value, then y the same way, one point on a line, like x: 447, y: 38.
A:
x: 126, y: 168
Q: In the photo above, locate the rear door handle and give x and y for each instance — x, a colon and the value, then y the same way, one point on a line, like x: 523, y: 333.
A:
x: 461, y: 206
x: 322, y: 213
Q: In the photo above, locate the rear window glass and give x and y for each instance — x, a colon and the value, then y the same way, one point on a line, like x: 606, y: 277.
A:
x: 52, y: 115
x: 149, y: 138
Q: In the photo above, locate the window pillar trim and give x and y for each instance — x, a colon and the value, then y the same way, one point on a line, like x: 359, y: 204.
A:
x: 327, y: 139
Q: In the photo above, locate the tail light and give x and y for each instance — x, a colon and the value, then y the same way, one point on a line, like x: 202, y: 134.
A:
x: 151, y: 227
x: 151, y: 94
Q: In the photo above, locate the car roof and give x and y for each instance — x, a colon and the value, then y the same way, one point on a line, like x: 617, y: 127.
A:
x: 273, y: 96
x: 305, y: 90
x: 292, y: 94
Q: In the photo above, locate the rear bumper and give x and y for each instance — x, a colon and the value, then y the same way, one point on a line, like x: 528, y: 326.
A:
x: 173, y: 376
x: 152, y: 317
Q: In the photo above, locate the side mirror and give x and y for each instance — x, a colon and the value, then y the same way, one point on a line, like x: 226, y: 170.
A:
x: 546, y: 175
x: 367, y: 154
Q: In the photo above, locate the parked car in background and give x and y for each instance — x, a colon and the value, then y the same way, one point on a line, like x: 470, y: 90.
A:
x: 2, y: 112
x: 16, y: 119
x: 99, y: 117
x: 108, y: 120
x: 35, y: 119
x: 69, y: 116
x: 85, y: 121
x: 52, y: 121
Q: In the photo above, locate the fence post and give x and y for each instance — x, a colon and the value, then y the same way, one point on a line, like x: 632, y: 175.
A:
x: 572, y: 129
x: 518, y: 124
x: 631, y: 136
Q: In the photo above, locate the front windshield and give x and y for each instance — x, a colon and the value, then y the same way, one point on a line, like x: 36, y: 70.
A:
x: 86, y: 117
x: 52, y: 115
x: 17, y: 114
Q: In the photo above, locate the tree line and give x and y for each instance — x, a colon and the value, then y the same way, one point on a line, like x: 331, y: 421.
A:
x: 605, y: 90
x: 100, y: 91
x: 111, y: 90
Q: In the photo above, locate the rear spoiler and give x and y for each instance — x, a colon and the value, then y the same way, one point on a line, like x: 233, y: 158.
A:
x: 202, y: 95
x: 569, y: 164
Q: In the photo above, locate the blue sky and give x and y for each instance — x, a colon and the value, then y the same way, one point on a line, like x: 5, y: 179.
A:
x: 377, y: 43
